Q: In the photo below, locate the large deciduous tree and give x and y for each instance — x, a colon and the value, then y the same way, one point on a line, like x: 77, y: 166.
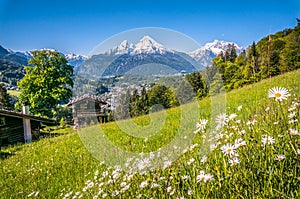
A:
x: 48, y: 82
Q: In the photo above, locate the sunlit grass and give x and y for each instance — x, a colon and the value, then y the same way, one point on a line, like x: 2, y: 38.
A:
x: 63, y: 167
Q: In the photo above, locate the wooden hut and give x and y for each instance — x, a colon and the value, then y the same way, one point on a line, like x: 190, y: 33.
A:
x: 87, y: 109
x: 18, y: 127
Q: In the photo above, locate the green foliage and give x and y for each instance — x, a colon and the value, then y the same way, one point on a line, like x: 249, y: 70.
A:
x: 198, y: 83
x: 271, y: 56
x: 5, y: 99
x: 48, y: 82
x: 162, y: 96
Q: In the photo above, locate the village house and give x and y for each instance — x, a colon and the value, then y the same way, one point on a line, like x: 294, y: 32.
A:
x: 87, y: 109
x: 17, y: 127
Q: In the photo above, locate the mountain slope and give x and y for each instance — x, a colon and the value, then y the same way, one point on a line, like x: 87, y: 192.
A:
x: 52, y: 168
x: 206, y: 53
x: 147, y: 53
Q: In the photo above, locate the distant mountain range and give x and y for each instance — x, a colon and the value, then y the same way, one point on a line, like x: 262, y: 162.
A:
x: 145, y: 57
x: 150, y: 57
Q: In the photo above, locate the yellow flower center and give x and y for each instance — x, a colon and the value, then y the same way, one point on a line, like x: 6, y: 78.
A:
x: 277, y: 95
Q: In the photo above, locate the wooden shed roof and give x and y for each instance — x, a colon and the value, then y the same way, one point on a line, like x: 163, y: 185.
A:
x: 31, y: 117
x: 90, y: 97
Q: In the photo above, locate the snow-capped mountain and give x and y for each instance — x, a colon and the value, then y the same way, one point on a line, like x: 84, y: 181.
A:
x: 127, y: 56
x: 123, y: 48
x: 206, y: 53
x: 146, y: 45
x: 147, y: 55
x: 74, y: 60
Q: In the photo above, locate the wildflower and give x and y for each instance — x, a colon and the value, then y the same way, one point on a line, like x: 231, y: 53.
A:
x: 219, y: 136
x: 239, y: 142
x: 204, y: 159
x: 202, y: 124
x: 143, y: 163
x: 189, y: 192
x: 190, y: 161
x: 293, y: 121
x: 293, y: 132
x: 222, y: 119
x: 172, y: 192
x: 279, y: 93
x: 104, y: 195
x: 115, y: 193
x: 90, y: 184
x: 123, y: 184
x: 292, y: 115
x: 298, y: 151
x: 201, y: 176
x: 234, y: 161
x: 267, y: 109
x: 185, y: 177
x: 280, y: 157
x: 208, y: 177
x: 239, y: 107
x: 213, y: 146
x: 228, y: 149
x: 154, y: 186
x: 169, y: 188
x: 144, y: 184
x: 232, y: 116
x: 167, y: 164
x: 268, y: 140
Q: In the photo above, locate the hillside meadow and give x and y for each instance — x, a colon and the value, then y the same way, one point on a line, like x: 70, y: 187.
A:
x: 245, y: 147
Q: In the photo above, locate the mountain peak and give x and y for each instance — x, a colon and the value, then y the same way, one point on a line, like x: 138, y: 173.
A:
x: 147, y: 45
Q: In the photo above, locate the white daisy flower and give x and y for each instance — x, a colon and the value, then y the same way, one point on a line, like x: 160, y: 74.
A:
x: 204, y: 159
x: 234, y: 161
x: 232, y: 116
x: 239, y: 107
x: 144, y: 184
x: 280, y: 157
x: 202, y: 124
x: 201, y: 176
x: 293, y: 132
x: 228, y: 149
x: 143, y: 163
x: 154, y: 186
x: 268, y: 140
x: 222, y: 119
x: 167, y: 164
x: 279, y: 93
x: 208, y: 177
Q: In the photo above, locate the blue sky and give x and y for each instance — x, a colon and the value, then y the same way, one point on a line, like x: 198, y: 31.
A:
x: 79, y: 26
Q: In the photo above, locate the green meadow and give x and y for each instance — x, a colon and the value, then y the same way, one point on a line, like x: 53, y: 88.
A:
x: 251, y: 152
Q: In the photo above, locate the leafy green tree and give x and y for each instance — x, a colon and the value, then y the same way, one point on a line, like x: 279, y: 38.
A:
x: 162, y: 96
x: 47, y: 83
x: 198, y: 83
x: 5, y: 100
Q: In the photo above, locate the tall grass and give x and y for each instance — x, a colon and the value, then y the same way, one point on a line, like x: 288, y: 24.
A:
x: 68, y: 166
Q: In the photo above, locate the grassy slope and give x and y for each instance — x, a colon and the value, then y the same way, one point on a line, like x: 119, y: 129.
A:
x: 53, y: 166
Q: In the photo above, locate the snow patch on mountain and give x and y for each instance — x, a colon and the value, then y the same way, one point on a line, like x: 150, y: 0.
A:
x: 206, y: 53
x: 146, y: 45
